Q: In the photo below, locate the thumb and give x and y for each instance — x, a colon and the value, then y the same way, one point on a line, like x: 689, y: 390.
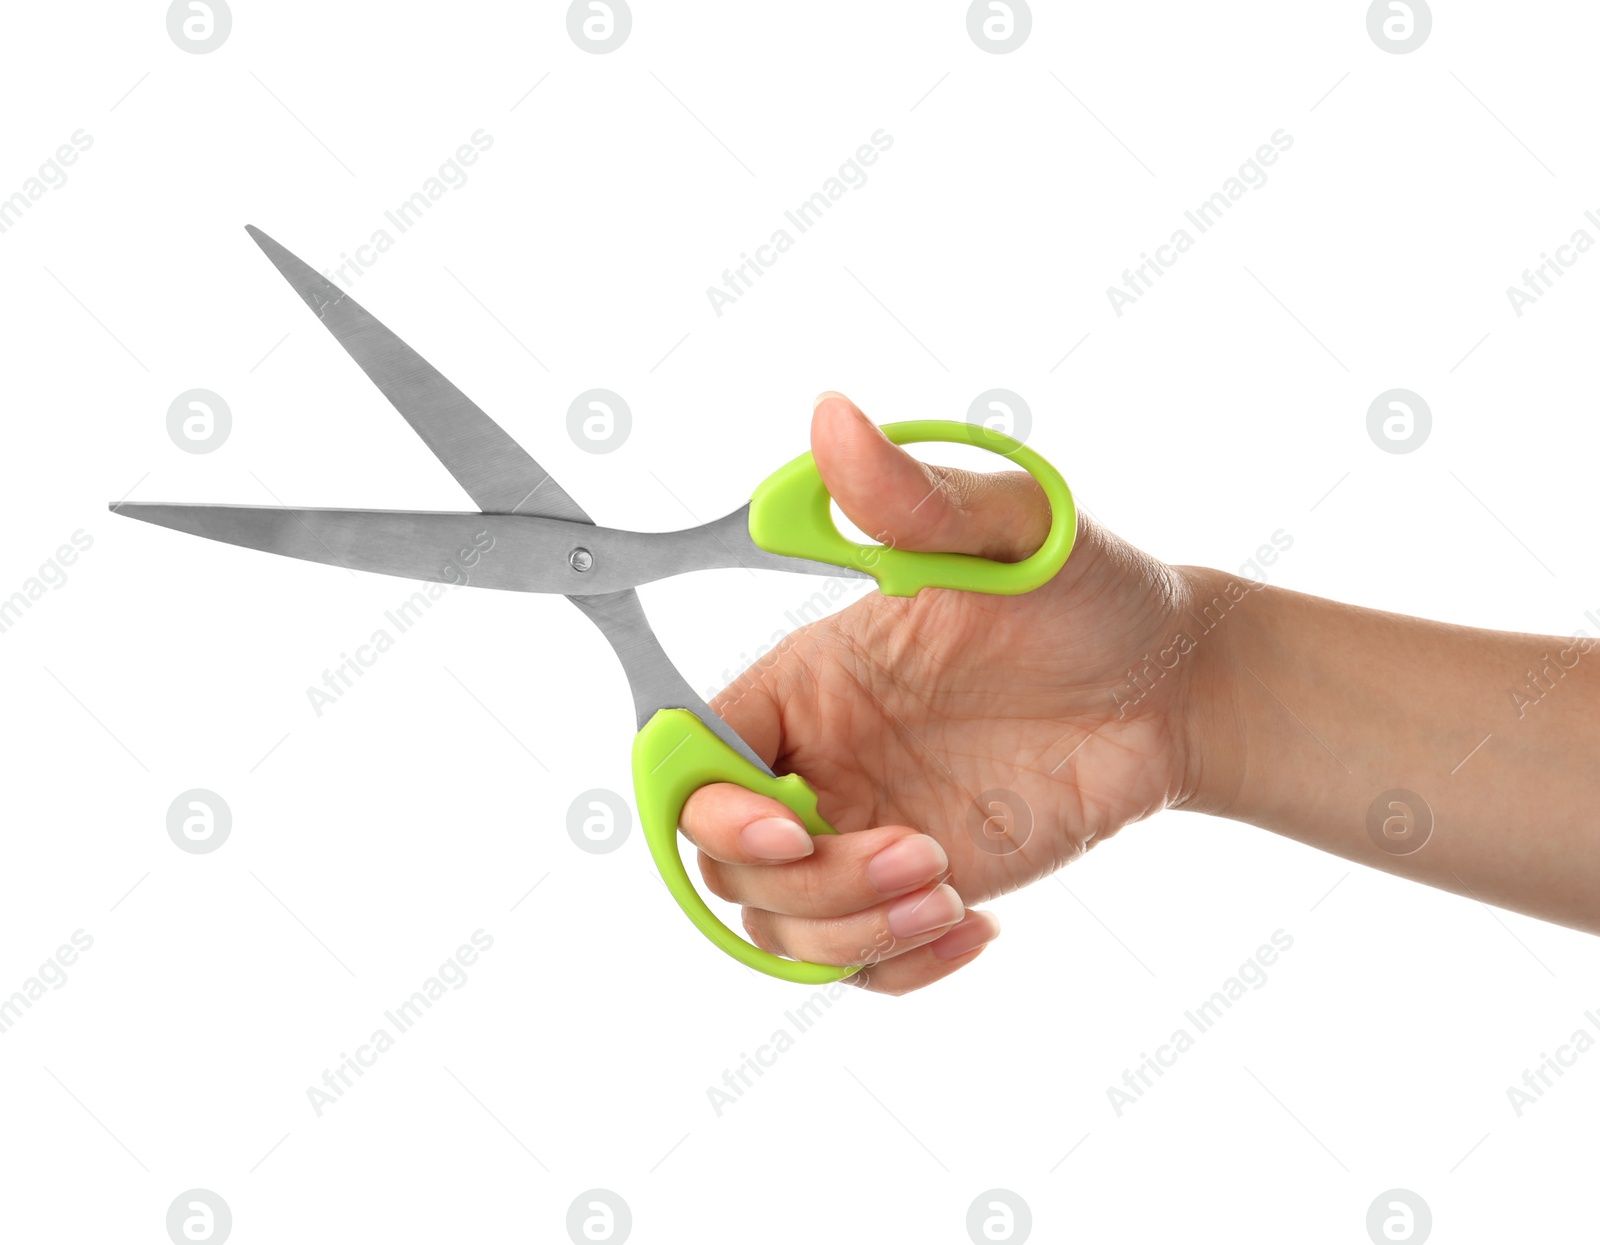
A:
x: 900, y: 501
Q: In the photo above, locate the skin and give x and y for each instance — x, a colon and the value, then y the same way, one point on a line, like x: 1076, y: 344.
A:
x: 1271, y: 707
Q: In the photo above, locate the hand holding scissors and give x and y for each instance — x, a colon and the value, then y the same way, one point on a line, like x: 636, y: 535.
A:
x: 544, y: 542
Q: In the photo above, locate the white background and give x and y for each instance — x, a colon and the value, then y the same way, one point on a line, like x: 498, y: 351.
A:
x: 426, y: 802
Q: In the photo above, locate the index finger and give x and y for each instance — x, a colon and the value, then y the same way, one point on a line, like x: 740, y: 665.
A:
x: 740, y: 827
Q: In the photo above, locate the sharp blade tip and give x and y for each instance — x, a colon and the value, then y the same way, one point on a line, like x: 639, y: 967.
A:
x: 261, y: 238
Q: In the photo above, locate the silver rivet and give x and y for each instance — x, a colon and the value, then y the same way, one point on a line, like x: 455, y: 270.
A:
x: 580, y: 559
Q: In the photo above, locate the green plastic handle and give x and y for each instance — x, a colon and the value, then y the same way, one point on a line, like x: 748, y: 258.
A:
x: 674, y: 755
x: 789, y: 515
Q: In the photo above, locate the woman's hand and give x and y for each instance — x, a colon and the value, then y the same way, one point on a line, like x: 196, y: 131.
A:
x: 964, y: 745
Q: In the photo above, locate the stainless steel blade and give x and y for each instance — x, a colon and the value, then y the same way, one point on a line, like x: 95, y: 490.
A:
x: 655, y: 681
x: 518, y: 553
x: 498, y: 474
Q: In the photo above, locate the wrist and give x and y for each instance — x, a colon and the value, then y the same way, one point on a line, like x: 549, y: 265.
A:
x: 1222, y: 619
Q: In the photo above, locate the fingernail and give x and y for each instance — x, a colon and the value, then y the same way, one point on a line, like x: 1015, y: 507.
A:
x: 775, y: 839
x: 824, y: 396
x: 979, y: 929
x: 918, y: 914
x: 910, y: 862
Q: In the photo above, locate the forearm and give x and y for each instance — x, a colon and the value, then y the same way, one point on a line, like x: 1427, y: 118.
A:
x: 1306, y: 713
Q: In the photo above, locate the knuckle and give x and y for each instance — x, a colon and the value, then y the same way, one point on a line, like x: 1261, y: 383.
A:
x: 758, y: 928
x: 716, y: 878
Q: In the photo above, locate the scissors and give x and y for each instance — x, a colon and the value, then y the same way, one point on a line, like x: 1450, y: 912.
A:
x: 539, y: 540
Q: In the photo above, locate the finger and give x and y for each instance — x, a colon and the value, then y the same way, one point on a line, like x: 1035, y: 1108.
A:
x: 725, y: 821
x: 869, y: 936
x: 751, y: 704
x: 843, y: 874
x: 900, y: 501
x: 923, y: 966
x: 738, y: 827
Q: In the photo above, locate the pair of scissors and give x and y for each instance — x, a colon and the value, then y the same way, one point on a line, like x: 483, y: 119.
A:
x: 543, y: 541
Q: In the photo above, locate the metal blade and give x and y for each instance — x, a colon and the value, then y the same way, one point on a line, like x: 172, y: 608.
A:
x: 498, y: 474
x: 655, y: 681
x: 515, y: 552
x: 438, y: 547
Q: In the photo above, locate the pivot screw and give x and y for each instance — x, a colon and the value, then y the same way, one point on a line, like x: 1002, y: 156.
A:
x: 580, y: 559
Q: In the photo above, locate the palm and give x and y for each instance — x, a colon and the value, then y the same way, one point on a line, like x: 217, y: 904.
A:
x: 911, y: 711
